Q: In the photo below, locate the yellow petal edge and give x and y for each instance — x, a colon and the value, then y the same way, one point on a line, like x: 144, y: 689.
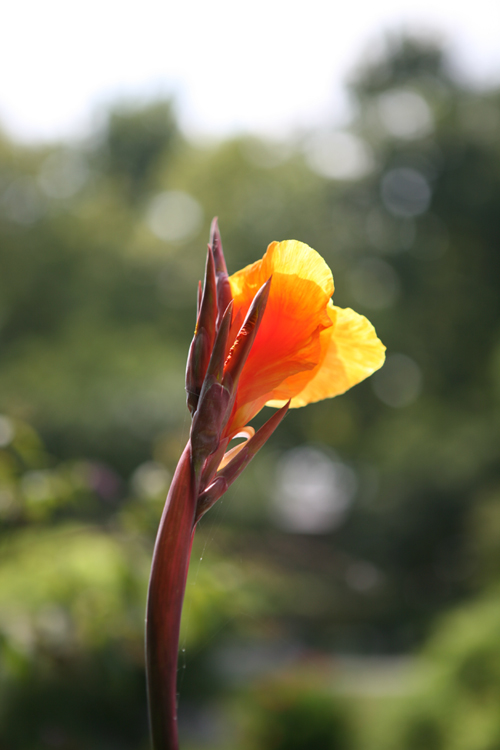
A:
x: 353, y: 353
x: 289, y: 257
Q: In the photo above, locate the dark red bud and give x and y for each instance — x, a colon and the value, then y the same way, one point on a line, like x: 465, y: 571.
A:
x: 208, y: 422
x: 200, y: 351
x: 199, y: 354
x: 215, y: 369
x: 224, y: 295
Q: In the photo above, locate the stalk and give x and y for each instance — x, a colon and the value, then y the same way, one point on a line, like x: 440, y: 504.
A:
x: 211, y: 385
x: 164, y: 607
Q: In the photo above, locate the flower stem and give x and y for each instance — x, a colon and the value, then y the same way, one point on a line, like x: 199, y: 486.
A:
x: 165, y: 597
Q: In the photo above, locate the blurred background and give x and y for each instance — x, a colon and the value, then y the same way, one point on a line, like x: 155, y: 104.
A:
x: 344, y: 595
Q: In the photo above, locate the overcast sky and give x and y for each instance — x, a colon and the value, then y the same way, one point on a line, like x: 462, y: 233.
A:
x: 269, y: 66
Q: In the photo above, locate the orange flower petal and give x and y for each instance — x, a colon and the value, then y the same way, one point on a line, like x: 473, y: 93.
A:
x: 291, y: 258
x: 289, y: 345
x: 353, y: 353
x: 247, y: 433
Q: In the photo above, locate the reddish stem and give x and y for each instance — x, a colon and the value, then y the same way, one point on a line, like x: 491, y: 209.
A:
x: 165, y: 597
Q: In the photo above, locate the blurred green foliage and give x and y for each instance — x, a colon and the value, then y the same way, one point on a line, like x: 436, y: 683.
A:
x: 101, y: 248
x: 297, y: 717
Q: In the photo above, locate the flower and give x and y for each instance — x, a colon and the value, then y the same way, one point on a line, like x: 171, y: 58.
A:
x: 269, y: 334
x: 306, y: 349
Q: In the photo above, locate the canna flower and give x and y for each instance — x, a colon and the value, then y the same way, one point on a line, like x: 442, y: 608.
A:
x: 267, y: 335
x: 306, y: 349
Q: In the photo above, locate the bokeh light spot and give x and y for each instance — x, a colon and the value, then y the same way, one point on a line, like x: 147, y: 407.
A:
x: 174, y: 216
x: 63, y: 174
x: 339, y: 156
x: 6, y: 431
x: 313, y: 491
x: 150, y: 479
x: 405, y: 114
x: 374, y: 284
x: 22, y: 203
x: 399, y: 382
x: 405, y: 192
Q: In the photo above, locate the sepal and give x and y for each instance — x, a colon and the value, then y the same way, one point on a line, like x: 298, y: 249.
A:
x: 214, y: 400
x: 226, y: 476
x: 224, y: 295
x: 208, y: 422
x: 204, y: 336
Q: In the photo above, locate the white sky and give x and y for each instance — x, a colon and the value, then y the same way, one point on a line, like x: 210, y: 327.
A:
x: 269, y: 66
